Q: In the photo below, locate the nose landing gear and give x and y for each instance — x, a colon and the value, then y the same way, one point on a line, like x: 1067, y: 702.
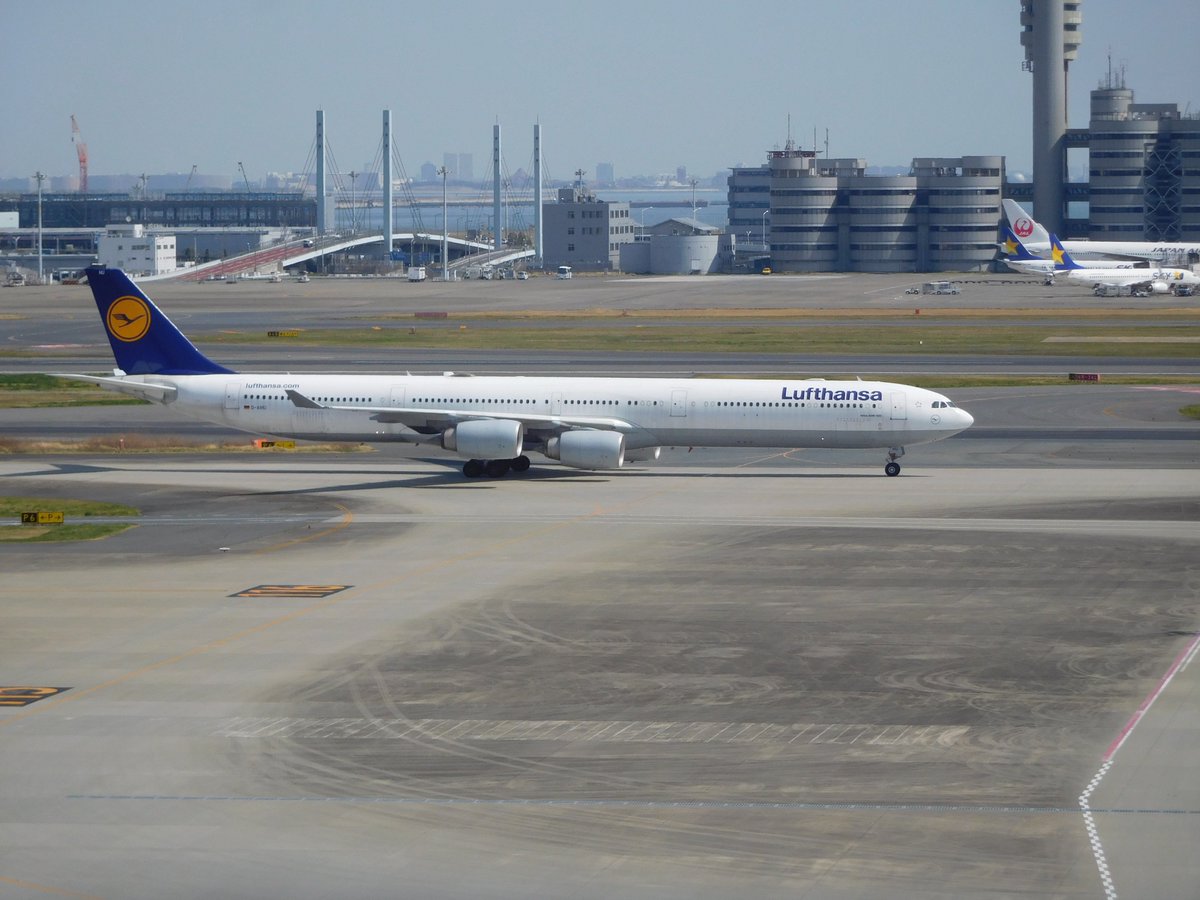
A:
x: 891, y: 467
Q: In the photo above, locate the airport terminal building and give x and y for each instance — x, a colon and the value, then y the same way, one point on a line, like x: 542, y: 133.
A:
x: 1144, y: 168
x: 806, y: 213
x: 585, y: 233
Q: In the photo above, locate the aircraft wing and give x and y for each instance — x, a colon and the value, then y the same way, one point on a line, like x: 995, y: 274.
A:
x: 1136, y: 282
x: 157, y: 393
x: 1118, y: 257
x: 425, y: 420
x: 1030, y: 266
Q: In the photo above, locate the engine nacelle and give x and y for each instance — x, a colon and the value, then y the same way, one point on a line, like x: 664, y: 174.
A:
x: 588, y: 449
x: 643, y: 454
x: 1159, y: 287
x: 485, y: 439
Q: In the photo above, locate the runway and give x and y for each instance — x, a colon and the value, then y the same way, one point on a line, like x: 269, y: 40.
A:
x: 770, y: 674
x: 731, y: 672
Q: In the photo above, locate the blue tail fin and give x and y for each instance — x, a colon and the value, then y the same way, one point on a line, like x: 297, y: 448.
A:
x: 1062, y: 259
x: 1013, y: 247
x: 143, y: 339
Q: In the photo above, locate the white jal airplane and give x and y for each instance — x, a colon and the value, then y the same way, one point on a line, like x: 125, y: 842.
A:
x: 584, y: 423
x: 1036, y: 240
x: 1154, y: 280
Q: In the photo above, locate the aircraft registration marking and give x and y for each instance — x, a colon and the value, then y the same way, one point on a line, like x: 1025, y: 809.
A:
x: 307, y: 591
x: 23, y: 696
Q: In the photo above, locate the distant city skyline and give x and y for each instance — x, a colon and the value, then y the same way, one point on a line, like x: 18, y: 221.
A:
x: 649, y: 88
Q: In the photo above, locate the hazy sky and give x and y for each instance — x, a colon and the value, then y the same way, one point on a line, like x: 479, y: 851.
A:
x: 645, y: 84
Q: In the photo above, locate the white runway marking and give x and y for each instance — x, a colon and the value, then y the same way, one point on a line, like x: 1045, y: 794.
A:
x: 1181, y: 662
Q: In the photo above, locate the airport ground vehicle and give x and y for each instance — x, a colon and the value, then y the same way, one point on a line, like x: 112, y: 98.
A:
x: 941, y: 287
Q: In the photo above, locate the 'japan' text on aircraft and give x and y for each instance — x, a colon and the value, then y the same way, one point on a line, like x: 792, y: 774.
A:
x: 491, y: 421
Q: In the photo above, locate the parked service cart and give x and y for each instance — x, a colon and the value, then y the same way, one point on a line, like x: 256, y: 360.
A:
x: 941, y: 287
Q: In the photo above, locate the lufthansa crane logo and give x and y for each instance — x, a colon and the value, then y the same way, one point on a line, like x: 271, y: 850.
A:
x: 128, y: 319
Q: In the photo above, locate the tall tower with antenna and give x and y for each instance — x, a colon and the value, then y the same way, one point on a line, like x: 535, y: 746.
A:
x: 1051, y: 36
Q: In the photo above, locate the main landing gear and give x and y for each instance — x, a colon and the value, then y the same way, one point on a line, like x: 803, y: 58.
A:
x: 892, y: 468
x: 495, y: 468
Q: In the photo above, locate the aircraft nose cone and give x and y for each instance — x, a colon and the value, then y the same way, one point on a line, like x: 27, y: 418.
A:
x: 967, y: 419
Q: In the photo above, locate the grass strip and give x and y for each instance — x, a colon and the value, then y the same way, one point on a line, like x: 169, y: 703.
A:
x: 913, y: 340
x: 11, y: 508
x: 49, y: 534
x: 26, y: 391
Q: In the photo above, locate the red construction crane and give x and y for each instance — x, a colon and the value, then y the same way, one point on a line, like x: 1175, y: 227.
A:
x: 81, y: 152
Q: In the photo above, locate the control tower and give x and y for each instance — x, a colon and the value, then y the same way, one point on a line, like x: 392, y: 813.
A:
x: 1050, y: 34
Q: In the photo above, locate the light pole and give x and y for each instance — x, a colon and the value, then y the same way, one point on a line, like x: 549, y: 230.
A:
x: 693, y: 206
x: 766, y: 212
x: 443, y: 171
x: 353, y: 222
x: 40, y: 178
x: 642, y: 217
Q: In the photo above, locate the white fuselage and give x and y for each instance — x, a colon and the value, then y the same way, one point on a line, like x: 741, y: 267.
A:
x: 1163, y: 277
x: 1048, y: 267
x: 659, y: 412
x: 1112, y: 251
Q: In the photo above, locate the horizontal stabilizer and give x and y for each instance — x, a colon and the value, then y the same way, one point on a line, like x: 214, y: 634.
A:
x: 158, y: 393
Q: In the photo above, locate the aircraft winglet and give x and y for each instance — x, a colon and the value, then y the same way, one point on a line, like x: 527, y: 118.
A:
x: 301, y: 401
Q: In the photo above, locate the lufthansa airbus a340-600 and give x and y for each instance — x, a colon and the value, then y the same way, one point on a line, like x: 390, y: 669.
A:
x: 493, y: 421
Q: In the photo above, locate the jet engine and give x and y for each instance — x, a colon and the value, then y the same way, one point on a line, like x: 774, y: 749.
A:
x: 588, y: 449
x: 1159, y: 287
x: 485, y: 439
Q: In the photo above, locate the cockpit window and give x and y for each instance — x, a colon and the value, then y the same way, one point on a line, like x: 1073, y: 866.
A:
x: 942, y: 404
